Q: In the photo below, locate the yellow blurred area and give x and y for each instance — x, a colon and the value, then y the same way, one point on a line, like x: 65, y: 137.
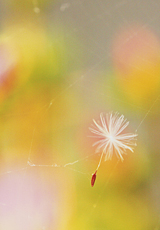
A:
x: 31, y: 47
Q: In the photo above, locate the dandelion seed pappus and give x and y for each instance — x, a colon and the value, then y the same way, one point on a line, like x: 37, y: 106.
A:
x: 109, y: 131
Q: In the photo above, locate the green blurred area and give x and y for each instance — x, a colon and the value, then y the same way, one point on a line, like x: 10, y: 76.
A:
x: 51, y: 88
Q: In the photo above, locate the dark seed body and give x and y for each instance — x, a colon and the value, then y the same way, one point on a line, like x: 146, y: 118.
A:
x: 93, y: 179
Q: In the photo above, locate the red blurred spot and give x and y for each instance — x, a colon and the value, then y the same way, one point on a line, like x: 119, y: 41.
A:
x: 8, y: 69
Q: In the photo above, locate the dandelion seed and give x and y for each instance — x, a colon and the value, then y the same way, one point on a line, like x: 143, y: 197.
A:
x: 111, y: 138
x: 93, y: 178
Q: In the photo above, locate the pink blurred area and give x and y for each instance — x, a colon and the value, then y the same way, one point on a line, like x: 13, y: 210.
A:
x: 136, y: 58
x: 31, y: 201
x: 26, y: 203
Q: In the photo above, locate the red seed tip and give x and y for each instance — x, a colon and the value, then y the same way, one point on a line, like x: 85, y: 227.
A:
x: 93, y: 179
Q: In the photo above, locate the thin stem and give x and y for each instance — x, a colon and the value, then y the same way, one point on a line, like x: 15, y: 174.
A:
x: 100, y: 161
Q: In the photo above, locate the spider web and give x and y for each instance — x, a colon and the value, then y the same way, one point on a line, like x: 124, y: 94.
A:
x: 57, y: 156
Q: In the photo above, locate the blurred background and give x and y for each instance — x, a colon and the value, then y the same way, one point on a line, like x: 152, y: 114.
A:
x: 62, y: 63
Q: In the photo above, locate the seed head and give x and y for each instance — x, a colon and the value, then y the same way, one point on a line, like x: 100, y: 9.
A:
x: 110, y: 132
